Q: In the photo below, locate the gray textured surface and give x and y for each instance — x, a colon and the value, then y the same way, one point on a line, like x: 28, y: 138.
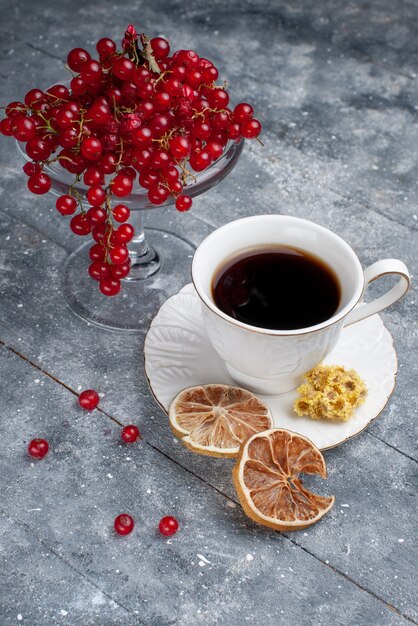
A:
x: 335, y: 84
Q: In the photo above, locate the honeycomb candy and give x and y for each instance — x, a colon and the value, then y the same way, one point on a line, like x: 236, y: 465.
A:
x: 330, y: 392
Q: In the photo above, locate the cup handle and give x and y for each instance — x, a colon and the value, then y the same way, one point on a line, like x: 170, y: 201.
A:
x: 373, y: 272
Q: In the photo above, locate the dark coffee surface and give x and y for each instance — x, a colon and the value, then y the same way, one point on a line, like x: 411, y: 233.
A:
x: 277, y: 287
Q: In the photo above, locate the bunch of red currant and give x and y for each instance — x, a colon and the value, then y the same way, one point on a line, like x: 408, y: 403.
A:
x: 133, y: 114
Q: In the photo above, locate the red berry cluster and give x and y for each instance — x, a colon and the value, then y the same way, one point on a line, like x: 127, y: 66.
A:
x: 136, y: 114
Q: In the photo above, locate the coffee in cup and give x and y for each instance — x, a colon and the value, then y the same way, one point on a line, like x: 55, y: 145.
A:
x: 276, y: 287
x: 259, y: 352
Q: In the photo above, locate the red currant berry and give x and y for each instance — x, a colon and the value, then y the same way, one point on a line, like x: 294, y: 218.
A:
x: 121, y: 185
x: 142, y: 137
x: 183, y: 203
x: 204, y: 64
x: 65, y: 118
x: 218, y: 98
x: 160, y: 124
x: 108, y: 163
x: 39, y: 183
x: 159, y: 159
x: 141, y: 158
x: 97, y: 252
x: 234, y: 131
x: 175, y: 187
x: 99, y: 113
x: 93, y: 177
x: 38, y: 448
x: 179, y: 147
x: 147, y: 178
x: 96, y: 215
x: 170, y: 173
x: 221, y: 120
x: 80, y: 225
x: 215, y: 149
x: 251, y: 129
x: 88, y: 399
x: 162, y: 101
x: 172, y: 87
x: 124, y: 524
x: 96, y: 195
x: 15, y: 108
x: 38, y: 149
x: 31, y: 168
x: 106, y: 47
x: 130, y: 124
x: 57, y: 92
x: 130, y: 433
x: 66, y: 205
x: 74, y: 163
x: 91, y: 148
x: 34, y: 95
x: 78, y: 86
x: 120, y: 271
x: 141, y: 76
x: 76, y: 58
x: 146, y: 91
x: 160, y: 48
x: 209, y: 75
x: 200, y: 160
x: 188, y: 58
x: 242, y: 112
x: 123, y: 68
x: 6, y: 127
x: 91, y: 72
x: 168, y: 526
x: 194, y: 78
x: 68, y: 138
x: 99, y: 232
x: 23, y: 128
x: 119, y: 254
x: 188, y: 92
x: 146, y: 109
x: 99, y: 270
x: 158, y: 194
x: 123, y: 234
x: 201, y: 130
x: 121, y: 213
x: 109, y: 286
x: 179, y: 72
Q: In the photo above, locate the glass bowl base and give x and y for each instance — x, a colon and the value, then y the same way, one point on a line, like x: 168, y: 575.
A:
x: 156, y: 275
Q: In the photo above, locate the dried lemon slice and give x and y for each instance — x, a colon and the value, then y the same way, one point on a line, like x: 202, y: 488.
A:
x: 266, y: 477
x: 216, y: 419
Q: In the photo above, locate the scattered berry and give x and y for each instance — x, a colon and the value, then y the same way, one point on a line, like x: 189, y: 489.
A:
x: 88, y: 399
x: 130, y: 433
x: 38, y: 448
x: 124, y: 524
x: 168, y: 526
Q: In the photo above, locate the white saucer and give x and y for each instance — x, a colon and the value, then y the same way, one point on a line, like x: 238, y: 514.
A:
x: 179, y: 355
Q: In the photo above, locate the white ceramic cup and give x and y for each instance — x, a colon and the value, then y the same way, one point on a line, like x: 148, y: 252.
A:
x: 273, y: 361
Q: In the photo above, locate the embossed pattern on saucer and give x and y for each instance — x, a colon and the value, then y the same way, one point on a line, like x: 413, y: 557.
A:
x: 179, y: 355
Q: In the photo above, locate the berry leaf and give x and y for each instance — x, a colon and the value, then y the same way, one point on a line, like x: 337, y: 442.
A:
x: 148, y: 55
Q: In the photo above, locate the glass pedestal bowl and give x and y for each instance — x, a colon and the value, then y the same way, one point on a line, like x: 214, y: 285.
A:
x: 160, y: 259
